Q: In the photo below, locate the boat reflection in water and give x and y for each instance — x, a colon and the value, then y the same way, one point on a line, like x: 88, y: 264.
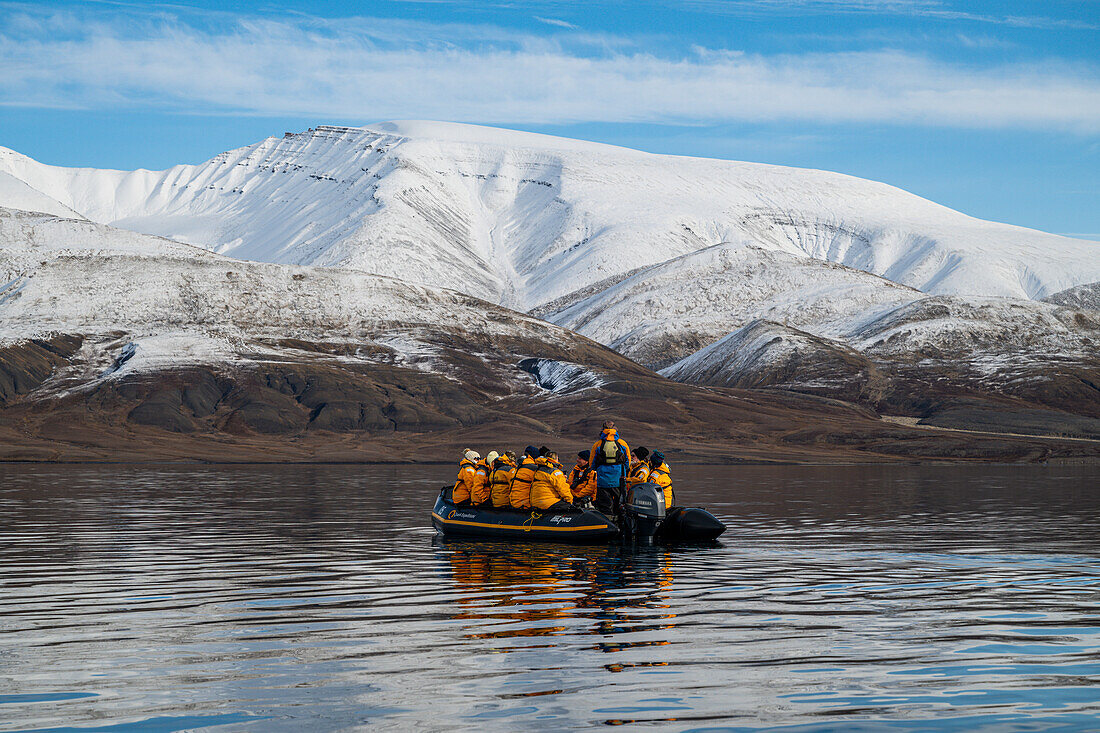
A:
x: 563, y: 596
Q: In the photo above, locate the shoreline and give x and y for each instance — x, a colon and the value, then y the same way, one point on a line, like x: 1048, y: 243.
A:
x: 1054, y: 461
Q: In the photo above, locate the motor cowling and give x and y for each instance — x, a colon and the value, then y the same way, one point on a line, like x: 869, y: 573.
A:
x: 646, y: 500
x: 644, y: 510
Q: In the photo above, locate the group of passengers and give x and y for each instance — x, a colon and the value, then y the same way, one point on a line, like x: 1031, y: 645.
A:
x: 537, y: 479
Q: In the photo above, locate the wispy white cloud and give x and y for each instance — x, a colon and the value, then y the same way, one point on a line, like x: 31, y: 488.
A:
x: 370, y: 69
x: 555, y: 21
x: 933, y: 9
x: 983, y: 42
x: 959, y: 10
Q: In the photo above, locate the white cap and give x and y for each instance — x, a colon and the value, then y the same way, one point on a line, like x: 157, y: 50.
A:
x: 492, y: 456
x: 473, y: 456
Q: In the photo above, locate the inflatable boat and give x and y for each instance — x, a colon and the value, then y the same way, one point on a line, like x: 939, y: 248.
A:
x: 589, y: 526
x: 642, y: 519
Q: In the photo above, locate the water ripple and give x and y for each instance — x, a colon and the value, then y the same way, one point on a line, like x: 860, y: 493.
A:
x: 854, y: 598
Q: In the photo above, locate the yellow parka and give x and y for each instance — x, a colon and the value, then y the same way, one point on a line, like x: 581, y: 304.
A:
x: 467, y: 476
x: 479, y: 491
x: 500, y: 482
x: 549, y: 486
x: 519, y: 496
x: 662, y: 476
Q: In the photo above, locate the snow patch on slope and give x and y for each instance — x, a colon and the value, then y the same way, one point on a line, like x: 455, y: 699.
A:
x: 167, y: 351
x: 558, y: 376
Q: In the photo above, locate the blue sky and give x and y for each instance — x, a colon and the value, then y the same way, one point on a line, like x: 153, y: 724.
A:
x: 992, y: 108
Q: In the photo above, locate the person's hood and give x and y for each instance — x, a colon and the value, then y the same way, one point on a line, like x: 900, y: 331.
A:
x: 609, y: 434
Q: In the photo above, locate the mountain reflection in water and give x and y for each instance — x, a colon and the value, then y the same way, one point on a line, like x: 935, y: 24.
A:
x: 289, y: 597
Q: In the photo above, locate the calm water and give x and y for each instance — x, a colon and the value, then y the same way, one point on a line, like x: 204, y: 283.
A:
x: 295, y: 597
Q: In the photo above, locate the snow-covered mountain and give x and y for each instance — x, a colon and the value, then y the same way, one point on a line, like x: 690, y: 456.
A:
x: 168, y: 304
x: 522, y: 219
x: 116, y: 345
x: 719, y: 273
x: 96, y: 320
x: 1085, y: 297
x: 743, y: 316
x: 922, y: 356
x: 768, y: 354
x: 664, y: 312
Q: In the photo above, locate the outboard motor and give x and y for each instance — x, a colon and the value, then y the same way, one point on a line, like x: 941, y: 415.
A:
x: 643, y: 512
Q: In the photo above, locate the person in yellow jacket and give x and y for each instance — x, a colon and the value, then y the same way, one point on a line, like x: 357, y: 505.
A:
x: 500, y: 480
x: 519, y: 495
x: 479, y: 492
x: 467, y: 477
x: 639, y: 467
x: 550, y: 489
x: 660, y: 474
x: 582, y: 481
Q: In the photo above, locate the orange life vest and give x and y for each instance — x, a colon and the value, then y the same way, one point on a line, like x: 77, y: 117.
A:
x: 582, y: 488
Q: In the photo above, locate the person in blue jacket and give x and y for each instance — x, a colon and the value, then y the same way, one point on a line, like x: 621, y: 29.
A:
x: 610, y: 459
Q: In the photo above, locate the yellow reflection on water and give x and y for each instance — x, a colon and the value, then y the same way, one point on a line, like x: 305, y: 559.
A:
x: 511, y: 592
